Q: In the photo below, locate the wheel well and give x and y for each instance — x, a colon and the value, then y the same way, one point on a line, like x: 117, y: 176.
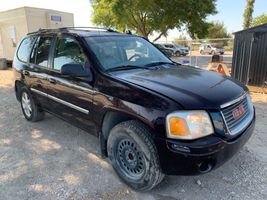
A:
x: 110, y: 120
x: 18, y: 86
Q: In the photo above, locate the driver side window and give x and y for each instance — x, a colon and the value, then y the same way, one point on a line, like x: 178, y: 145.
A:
x: 68, y: 51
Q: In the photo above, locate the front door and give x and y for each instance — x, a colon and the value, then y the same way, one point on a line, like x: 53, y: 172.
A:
x: 70, y: 97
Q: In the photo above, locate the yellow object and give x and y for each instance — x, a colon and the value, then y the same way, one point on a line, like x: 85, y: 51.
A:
x: 178, y: 127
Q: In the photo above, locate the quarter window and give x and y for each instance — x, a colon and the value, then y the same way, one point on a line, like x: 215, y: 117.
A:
x: 25, y: 48
x: 68, y: 51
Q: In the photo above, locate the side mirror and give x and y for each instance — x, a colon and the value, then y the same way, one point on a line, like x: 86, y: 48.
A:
x: 76, y: 70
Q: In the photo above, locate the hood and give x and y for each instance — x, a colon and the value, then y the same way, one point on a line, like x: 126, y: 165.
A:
x: 192, y: 88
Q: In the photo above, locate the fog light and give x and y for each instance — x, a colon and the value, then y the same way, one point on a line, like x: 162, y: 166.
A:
x: 180, y: 148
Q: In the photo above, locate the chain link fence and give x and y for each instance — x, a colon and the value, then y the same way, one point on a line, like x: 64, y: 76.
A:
x: 201, y: 50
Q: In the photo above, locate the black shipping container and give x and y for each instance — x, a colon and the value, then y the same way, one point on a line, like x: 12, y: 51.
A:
x: 250, y: 56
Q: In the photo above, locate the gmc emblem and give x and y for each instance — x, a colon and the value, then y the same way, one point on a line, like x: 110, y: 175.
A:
x: 238, y: 112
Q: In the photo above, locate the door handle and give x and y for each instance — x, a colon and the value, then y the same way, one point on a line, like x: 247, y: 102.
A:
x: 26, y: 73
x: 51, y: 80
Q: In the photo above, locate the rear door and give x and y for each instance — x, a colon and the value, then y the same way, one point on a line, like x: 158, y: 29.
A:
x: 70, y: 97
x: 38, y: 68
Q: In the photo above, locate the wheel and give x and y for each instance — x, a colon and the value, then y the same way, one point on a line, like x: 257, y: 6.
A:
x: 134, y: 156
x: 201, y: 52
x: 212, y: 52
x: 222, y: 53
x: 29, y: 107
x: 177, y: 54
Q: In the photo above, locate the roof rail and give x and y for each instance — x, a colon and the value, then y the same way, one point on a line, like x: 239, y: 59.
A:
x: 41, y: 30
x: 87, y: 28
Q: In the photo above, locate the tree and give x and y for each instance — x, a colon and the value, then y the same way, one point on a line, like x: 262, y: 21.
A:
x: 262, y: 19
x: 148, y: 16
x: 248, y: 13
x: 217, y: 30
x: 182, y: 40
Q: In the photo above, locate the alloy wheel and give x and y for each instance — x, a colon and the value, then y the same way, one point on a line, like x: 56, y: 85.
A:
x: 26, y: 104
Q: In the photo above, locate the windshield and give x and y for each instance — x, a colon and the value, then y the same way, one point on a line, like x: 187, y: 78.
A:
x: 118, y: 51
x: 178, y: 46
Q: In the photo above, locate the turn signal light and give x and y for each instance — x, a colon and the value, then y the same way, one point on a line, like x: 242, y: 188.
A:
x: 178, y: 127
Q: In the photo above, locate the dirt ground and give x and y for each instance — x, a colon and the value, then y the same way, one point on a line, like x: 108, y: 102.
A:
x: 54, y: 160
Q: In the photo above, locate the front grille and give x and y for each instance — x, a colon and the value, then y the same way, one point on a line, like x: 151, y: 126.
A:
x: 227, y: 112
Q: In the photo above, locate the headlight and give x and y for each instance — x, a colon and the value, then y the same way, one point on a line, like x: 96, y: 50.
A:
x: 188, y: 125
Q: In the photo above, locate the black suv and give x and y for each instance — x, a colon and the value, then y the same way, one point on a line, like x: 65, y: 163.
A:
x: 152, y: 116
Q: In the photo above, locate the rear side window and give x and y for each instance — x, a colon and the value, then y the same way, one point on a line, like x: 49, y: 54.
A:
x: 68, y: 51
x: 169, y: 46
x: 25, y: 47
x: 40, y: 54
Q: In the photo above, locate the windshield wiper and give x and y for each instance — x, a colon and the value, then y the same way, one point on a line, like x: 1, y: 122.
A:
x: 125, y: 67
x: 160, y: 63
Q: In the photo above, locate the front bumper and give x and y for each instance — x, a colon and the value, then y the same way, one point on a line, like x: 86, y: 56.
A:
x: 205, y: 153
x: 184, y: 53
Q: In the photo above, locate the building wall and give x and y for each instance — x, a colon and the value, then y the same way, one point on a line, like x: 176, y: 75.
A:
x: 249, y: 57
x: 13, y: 27
x: 1, y: 46
x: 41, y: 18
x: 16, y: 23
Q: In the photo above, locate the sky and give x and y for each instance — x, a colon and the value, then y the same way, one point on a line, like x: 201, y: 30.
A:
x: 229, y: 11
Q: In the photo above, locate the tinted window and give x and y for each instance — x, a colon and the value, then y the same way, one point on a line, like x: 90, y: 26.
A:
x: 169, y: 46
x: 25, y: 48
x: 158, y: 46
x: 178, y: 46
x: 41, y: 53
x: 68, y: 51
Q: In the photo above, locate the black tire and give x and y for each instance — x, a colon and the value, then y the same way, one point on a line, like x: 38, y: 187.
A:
x: 177, y: 54
x: 33, y: 114
x: 134, y: 156
x: 201, y: 52
x: 213, y: 52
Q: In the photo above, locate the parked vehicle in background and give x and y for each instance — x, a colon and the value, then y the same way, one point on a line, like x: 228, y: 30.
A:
x: 209, y: 49
x: 178, y: 49
x: 184, y: 50
x: 152, y: 116
x: 167, y: 51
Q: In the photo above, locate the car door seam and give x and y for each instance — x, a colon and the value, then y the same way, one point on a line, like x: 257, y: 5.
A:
x: 61, y: 101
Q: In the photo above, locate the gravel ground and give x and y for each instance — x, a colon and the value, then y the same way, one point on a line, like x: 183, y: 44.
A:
x: 54, y: 160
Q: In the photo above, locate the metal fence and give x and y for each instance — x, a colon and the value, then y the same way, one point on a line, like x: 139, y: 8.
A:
x: 195, y: 58
x: 249, y: 59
